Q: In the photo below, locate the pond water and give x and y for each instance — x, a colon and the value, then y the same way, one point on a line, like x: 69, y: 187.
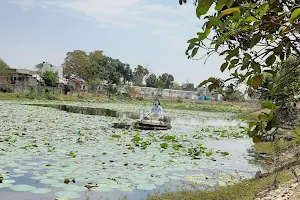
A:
x: 42, y: 148
x: 173, y: 120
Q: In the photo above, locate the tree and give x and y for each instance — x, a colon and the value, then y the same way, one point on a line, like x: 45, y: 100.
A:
x: 231, y: 93
x: 77, y: 63
x: 4, y: 68
x: 49, y: 78
x: 127, y: 74
x: 150, y: 80
x: 139, y: 74
x: 251, y: 35
x: 159, y: 83
x: 188, y: 87
x: 95, y: 56
x: 176, y: 86
x: 167, y: 79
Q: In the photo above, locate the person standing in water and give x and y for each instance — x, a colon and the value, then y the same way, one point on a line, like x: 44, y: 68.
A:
x: 156, y: 111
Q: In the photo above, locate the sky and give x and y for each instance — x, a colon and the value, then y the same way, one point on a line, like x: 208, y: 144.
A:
x: 152, y: 33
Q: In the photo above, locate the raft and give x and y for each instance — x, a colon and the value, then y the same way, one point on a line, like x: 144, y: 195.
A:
x: 152, y: 125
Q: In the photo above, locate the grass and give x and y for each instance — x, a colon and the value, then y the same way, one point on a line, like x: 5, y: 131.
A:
x: 166, y: 103
x: 245, y: 190
x: 9, y: 96
x: 269, y: 147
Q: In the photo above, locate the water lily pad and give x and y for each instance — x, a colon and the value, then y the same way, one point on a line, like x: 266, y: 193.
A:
x: 67, y: 194
x: 49, y: 181
x: 58, y: 185
x: 8, y: 181
x: 5, y: 185
x: 22, y: 188
x: 17, y: 175
x: 146, y: 187
x: 41, y: 191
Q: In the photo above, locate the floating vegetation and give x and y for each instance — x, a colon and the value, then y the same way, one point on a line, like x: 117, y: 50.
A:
x: 57, y: 148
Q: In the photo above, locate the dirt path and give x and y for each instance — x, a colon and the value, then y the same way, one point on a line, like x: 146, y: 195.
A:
x: 286, y: 191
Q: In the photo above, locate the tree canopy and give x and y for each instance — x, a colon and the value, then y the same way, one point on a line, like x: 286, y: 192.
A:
x: 96, y: 67
x: 139, y: 74
x: 49, y: 78
x: 3, y: 68
x: 150, y: 80
x: 252, y: 36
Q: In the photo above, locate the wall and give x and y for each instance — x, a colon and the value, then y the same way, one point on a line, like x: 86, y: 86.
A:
x: 24, y: 89
x: 168, y: 93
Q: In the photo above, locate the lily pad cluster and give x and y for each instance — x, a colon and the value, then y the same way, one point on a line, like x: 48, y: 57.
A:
x: 75, y: 153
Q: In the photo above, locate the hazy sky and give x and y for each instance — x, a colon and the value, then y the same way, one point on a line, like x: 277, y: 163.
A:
x: 153, y: 33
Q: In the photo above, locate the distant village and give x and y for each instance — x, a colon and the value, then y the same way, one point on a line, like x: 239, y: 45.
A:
x: 24, y: 80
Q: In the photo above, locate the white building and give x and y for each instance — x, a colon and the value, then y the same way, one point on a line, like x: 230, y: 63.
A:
x: 44, y: 66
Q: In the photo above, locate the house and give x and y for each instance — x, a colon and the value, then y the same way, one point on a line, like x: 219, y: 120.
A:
x: 44, y: 66
x: 22, y: 77
x: 77, y: 83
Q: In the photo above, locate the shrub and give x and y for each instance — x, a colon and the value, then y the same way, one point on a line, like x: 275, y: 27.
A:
x: 6, y: 88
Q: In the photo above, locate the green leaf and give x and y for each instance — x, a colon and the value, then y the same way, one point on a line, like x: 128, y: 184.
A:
x: 257, y: 81
x: 225, y: 153
x: 203, y: 7
x: 268, y: 104
x: 193, y: 41
x: 214, y: 21
x: 256, y: 139
x: 278, y: 50
x: 210, y: 80
x: 228, y: 12
x: 208, y: 154
x: 164, y: 145
x: 116, y: 136
x: 224, y: 66
x: 295, y: 15
x: 250, y: 19
x: 222, y: 3
x: 255, y: 39
x: 270, y: 37
x: 264, y: 10
x: 282, y: 29
x: 271, y: 1
x: 270, y: 60
x: 195, y: 51
x: 203, y: 36
x: 256, y: 67
x: 263, y: 117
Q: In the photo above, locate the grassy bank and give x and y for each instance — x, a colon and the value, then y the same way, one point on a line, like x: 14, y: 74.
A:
x: 166, y: 103
x: 245, y: 190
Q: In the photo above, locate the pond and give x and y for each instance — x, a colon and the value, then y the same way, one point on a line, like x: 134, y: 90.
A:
x: 173, y: 120
x: 51, y: 153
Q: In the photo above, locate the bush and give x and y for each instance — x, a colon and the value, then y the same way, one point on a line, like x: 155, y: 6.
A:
x: 50, y: 96
x: 179, y: 99
x: 140, y: 98
x: 6, y: 88
x: 80, y: 96
x: 41, y: 95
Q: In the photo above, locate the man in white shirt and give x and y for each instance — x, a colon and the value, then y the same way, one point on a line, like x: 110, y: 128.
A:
x: 156, y: 111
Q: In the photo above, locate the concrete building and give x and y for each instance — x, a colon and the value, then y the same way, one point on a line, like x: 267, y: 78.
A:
x: 77, y: 84
x: 22, y: 77
x: 44, y: 66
